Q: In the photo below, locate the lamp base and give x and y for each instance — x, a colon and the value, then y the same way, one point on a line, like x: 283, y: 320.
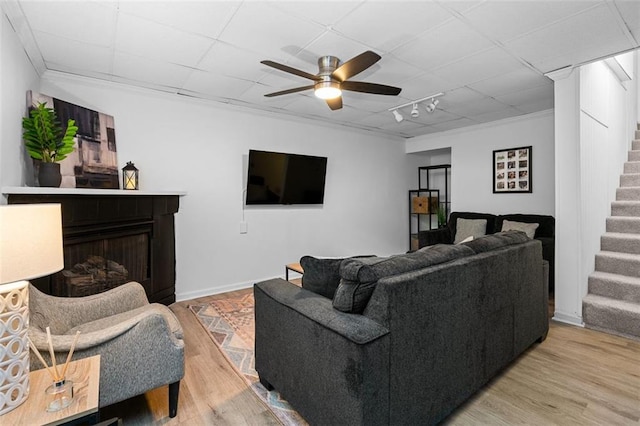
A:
x: 14, y: 347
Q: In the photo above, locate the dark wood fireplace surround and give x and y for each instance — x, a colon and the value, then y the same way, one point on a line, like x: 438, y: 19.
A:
x: 112, y: 239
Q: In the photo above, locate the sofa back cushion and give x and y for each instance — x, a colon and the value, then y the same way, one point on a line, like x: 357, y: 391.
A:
x: 360, y: 276
x: 496, y: 241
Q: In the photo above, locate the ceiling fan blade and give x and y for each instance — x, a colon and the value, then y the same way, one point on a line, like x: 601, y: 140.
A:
x: 291, y: 70
x: 286, y: 92
x: 376, y: 89
x: 355, y: 65
x: 335, y: 103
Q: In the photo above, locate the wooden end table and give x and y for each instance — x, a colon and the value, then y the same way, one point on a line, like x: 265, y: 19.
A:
x: 295, y: 267
x: 85, y: 374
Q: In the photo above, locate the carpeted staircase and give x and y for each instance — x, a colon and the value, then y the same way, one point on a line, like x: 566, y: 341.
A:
x: 612, y: 304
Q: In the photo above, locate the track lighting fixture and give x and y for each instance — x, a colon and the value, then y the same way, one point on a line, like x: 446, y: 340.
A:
x: 415, y: 113
x: 432, y: 105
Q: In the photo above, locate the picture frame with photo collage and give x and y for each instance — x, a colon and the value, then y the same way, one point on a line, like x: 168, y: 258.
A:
x: 512, y: 170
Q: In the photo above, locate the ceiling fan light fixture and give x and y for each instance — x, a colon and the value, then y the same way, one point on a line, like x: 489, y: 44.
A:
x: 397, y: 115
x: 327, y: 90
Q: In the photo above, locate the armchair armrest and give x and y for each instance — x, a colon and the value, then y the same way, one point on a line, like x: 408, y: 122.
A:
x: 434, y: 236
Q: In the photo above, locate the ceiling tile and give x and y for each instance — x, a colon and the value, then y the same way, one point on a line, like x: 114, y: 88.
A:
x: 504, y: 20
x: 96, y: 27
x: 497, y: 115
x: 446, y: 43
x: 454, y: 124
x: 159, y: 42
x: 386, y: 27
x: 74, y: 54
x: 325, y: 13
x: 136, y: 68
x: 233, y: 61
x: 526, y: 96
x: 262, y: 28
x: 206, y: 18
x: 522, y: 78
x: 215, y: 85
x: 480, y: 66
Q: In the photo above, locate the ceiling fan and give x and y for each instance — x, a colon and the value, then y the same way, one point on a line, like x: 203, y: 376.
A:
x: 333, y: 78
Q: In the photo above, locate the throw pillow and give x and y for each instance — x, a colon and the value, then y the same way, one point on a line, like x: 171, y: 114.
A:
x: 466, y: 240
x: 527, y: 228
x: 470, y: 227
x: 322, y: 275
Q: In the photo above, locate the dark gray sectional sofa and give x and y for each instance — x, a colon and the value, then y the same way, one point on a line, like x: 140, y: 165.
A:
x: 406, y: 339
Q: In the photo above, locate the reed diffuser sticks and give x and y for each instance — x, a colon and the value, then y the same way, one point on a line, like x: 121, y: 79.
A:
x: 53, y: 370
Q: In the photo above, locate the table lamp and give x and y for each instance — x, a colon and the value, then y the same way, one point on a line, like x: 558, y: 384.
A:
x: 30, y: 247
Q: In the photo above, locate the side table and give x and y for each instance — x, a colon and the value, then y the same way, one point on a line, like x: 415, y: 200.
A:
x: 295, y: 267
x: 85, y: 374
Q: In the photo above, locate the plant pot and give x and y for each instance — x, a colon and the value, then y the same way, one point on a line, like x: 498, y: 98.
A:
x: 49, y: 175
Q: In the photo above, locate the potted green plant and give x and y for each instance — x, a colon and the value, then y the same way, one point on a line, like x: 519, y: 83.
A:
x: 47, y: 142
x: 442, y: 217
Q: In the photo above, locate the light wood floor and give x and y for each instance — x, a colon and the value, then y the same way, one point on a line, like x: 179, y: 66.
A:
x: 575, y: 377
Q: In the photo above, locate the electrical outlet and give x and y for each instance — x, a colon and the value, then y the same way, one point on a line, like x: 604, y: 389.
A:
x: 243, y: 227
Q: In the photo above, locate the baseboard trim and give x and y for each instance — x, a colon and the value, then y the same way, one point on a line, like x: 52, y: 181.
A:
x: 568, y: 319
x: 180, y: 297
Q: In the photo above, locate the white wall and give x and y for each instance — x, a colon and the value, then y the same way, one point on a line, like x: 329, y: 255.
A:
x: 595, y: 117
x: 201, y: 148
x: 472, y: 167
x: 17, y: 75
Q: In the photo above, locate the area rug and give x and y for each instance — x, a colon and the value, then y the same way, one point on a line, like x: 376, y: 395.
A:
x: 230, y: 324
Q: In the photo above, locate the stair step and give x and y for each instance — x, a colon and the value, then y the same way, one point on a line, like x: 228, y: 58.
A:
x: 631, y: 167
x: 615, y: 286
x: 611, y: 316
x: 624, y: 224
x: 635, y: 144
x: 630, y: 193
x: 630, y: 179
x: 637, y: 134
x: 625, y: 208
x: 618, y: 263
x: 620, y: 242
x: 633, y: 155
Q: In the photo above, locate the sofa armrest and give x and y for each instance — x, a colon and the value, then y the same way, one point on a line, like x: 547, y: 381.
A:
x: 353, y: 327
x: 434, y: 236
x: 331, y: 366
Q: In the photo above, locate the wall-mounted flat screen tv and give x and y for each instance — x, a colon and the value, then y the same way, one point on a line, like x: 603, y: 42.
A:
x: 280, y: 178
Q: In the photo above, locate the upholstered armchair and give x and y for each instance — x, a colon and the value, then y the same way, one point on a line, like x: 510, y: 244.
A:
x: 140, y: 344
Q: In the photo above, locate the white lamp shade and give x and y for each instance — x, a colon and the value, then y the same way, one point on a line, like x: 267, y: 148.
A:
x: 30, y: 241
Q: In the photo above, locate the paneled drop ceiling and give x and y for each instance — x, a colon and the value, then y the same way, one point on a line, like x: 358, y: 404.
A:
x: 488, y: 57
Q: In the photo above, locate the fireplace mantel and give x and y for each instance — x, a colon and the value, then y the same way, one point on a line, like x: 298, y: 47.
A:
x: 110, y: 236
x: 6, y: 190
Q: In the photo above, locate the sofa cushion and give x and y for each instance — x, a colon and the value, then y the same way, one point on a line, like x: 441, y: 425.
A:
x: 527, y: 228
x: 497, y: 240
x: 470, y: 228
x: 360, y: 276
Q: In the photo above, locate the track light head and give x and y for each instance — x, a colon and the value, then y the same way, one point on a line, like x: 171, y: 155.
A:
x: 414, y: 112
x: 432, y: 105
x: 397, y: 115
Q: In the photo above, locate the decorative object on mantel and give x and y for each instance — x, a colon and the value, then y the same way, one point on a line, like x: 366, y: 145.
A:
x: 512, y: 170
x: 31, y: 247
x: 47, y: 142
x: 129, y: 176
x: 94, y: 163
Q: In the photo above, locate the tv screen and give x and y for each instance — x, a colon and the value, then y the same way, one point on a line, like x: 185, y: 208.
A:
x: 279, y: 178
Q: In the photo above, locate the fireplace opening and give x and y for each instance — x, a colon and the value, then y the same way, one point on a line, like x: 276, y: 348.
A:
x: 96, y: 266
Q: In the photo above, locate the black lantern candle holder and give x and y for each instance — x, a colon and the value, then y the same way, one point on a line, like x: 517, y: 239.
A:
x: 129, y: 176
